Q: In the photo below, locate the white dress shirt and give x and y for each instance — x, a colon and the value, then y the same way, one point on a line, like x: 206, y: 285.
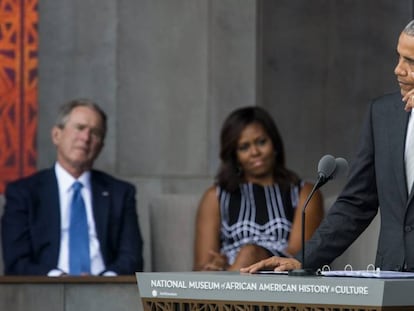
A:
x: 409, y: 153
x: 65, y: 182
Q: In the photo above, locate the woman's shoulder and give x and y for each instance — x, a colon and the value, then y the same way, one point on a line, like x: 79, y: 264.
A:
x: 212, y: 190
x: 306, y: 185
x: 210, y: 193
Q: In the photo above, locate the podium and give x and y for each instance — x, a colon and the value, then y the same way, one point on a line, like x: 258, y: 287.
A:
x: 232, y: 291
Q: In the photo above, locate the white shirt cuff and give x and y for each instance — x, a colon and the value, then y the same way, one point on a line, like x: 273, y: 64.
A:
x: 55, y: 272
x: 109, y: 273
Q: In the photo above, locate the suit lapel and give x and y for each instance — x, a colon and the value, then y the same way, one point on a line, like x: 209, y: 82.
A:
x: 48, y: 194
x: 101, y: 201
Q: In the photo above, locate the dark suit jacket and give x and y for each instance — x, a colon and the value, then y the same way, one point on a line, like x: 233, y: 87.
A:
x: 31, y: 224
x: 376, y: 179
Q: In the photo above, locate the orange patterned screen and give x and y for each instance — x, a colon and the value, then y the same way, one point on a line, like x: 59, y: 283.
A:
x: 18, y: 88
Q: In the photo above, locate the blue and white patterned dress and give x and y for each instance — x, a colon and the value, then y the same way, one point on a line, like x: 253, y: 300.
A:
x: 260, y: 215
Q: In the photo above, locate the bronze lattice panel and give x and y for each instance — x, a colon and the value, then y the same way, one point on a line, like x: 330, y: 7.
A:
x: 191, y: 305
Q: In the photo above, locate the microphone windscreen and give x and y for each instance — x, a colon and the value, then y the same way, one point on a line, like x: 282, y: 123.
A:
x: 341, y: 168
x: 326, y: 166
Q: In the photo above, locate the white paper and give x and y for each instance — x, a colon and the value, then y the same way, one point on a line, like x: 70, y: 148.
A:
x: 369, y: 274
x: 353, y: 273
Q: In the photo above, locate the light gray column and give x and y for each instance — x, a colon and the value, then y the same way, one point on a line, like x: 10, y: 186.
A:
x: 77, y: 55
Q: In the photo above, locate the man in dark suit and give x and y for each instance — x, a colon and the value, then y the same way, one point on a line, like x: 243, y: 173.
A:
x: 37, y: 224
x: 380, y: 177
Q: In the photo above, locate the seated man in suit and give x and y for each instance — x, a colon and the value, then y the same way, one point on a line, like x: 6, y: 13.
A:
x: 71, y: 219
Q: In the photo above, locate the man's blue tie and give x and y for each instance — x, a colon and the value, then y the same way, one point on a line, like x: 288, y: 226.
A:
x: 79, y: 261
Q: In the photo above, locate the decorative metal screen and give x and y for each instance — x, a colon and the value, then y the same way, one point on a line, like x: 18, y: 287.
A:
x: 18, y: 88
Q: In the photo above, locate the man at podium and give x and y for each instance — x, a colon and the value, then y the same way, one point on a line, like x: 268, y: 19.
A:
x: 382, y: 175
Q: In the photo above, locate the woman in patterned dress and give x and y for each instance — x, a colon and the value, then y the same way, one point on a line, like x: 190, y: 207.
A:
x: 254, y: 209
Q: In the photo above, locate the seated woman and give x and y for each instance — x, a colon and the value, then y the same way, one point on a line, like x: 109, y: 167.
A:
x: 254, y: 210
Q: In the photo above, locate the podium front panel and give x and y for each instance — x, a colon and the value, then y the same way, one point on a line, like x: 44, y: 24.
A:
x: 281, y: 289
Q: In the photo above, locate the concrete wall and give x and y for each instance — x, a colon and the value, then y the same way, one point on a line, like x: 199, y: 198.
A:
x: 168, y: 72
x: 321, y: 62
x: 69, y: 294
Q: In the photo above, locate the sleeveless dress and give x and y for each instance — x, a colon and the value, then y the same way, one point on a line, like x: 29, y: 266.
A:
x: 255, y: 214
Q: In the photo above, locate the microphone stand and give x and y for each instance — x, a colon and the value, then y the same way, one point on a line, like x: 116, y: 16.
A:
x: 307, y: 271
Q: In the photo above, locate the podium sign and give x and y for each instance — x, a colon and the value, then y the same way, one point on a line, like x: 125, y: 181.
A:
x: 235, y: 291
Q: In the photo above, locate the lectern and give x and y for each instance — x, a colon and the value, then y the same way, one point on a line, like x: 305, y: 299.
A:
x: 228, y: 291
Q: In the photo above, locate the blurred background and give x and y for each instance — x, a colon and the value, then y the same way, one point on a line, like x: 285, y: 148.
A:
x: 168, y: 72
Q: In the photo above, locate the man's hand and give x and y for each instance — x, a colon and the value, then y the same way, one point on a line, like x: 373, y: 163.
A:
x: 408, y: 99
x: 273, y: 263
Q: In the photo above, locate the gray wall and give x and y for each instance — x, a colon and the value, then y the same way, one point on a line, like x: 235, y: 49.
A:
x: 68, y: 294
x: 321, y: 62
x: 169, y: 71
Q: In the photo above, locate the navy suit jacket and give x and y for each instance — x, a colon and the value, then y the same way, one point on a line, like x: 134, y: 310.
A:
x: 376, y: 180
x: 31, y: 224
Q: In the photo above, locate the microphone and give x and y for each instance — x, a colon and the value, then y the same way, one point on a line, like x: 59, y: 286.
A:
x: 329, y: 168
x: 326, y: 168
x: 341, y: 168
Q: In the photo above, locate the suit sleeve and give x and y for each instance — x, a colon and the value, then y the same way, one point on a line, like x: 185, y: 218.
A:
x: 125, y: 244
x: 354, y: 209
x: 17, y: 232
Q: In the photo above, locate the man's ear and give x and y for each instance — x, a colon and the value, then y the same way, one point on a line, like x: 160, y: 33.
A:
x: 55, y: 133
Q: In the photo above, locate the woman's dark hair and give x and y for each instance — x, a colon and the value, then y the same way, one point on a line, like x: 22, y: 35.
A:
x: 228, y: 176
